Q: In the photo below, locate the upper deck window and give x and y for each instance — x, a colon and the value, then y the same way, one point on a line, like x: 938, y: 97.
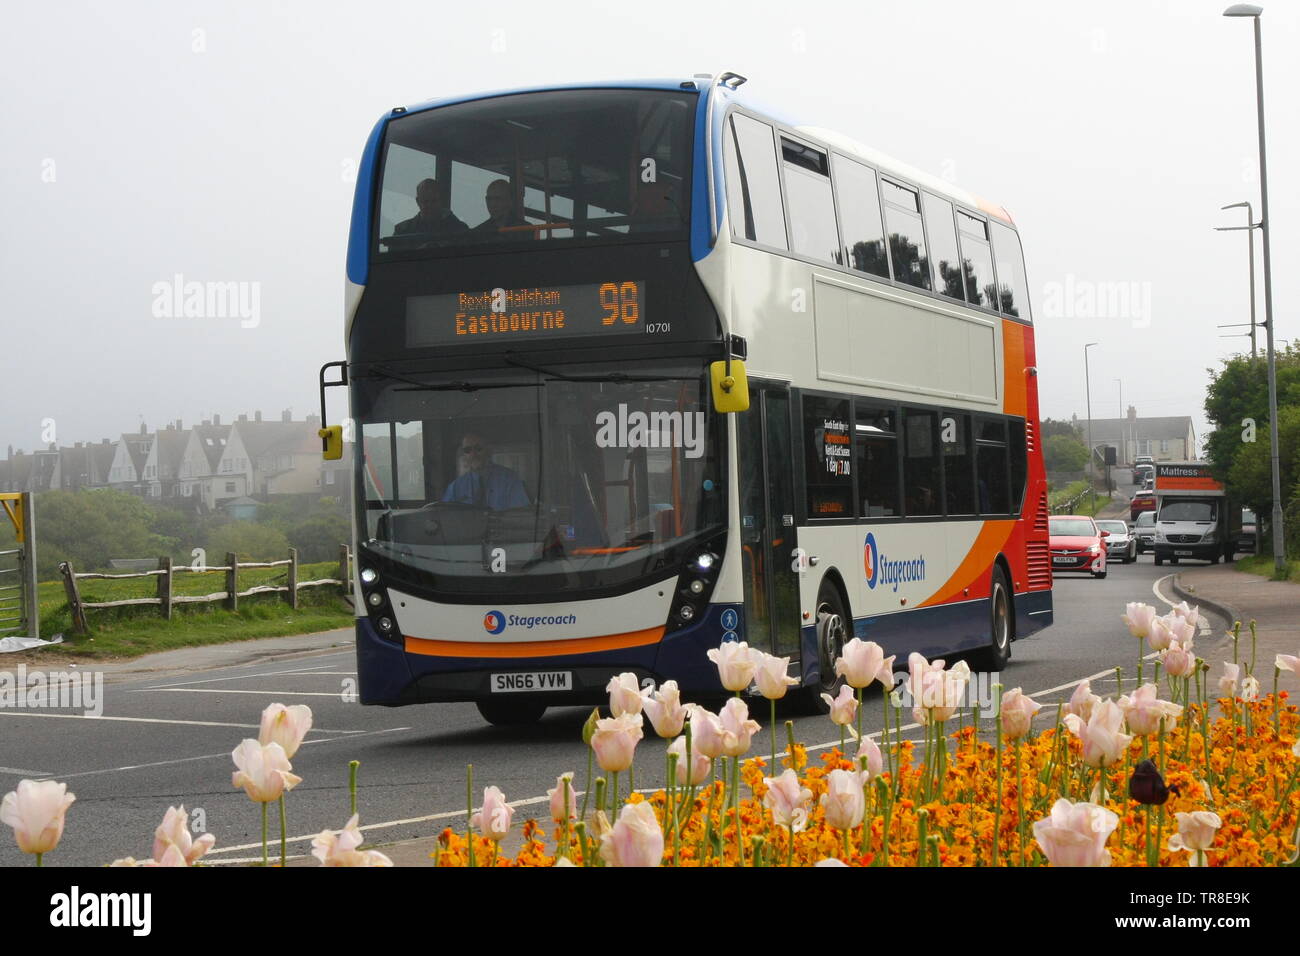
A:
x: 753, y: 184
x: 566, y: 165
x: 906, y: 237
x: 864, y: 236
x: 1013, y: 285
x: 812, y: 207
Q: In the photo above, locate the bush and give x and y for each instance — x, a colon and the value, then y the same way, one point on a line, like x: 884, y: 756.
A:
x: 249, y: 541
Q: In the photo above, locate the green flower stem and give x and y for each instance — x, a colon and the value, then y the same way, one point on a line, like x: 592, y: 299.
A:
x: 842, y: 747
x: 1253, y: 636
x: 1236, y: 640
x: 1147, y: 808
x: 265, y: 860
x: 887, y: 799
x: 735, y: 810
x: 997, y: 807
x: 922, y: 844
x: 613, y: 800
x: 469, y: 812
x: 1020, y: 806
x: 283, y: 830
x: 39, y: 856
x: 601, y: 786
x: 670, y: 805
x: 586, y: 793
x: 352, y: 786
x: 789, y: 851
x: 496, y: 846
x: 844, y: 836
x: 581, y: 828
x: 772, y: 772
x: 888, y: 756
x: 858, y: 691
x: 1277, y: 727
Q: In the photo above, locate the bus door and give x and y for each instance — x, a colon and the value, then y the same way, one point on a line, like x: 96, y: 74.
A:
x: 767, y: 529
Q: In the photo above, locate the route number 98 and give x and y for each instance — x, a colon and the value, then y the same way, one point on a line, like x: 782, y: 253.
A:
x: 619, y: 300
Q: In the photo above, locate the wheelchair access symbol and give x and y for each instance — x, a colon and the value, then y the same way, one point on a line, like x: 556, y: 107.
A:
x: 730, y: 619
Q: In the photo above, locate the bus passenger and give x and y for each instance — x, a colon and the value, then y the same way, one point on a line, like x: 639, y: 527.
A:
x: 500, y: 202
x: 482, y: 482
x: 434, y: 220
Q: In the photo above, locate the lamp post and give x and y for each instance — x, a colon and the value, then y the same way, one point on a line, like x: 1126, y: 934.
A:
x: 1123, y: 438
x: 1254, y: 13
x: 1087, y: 387
x: 1250, y: 226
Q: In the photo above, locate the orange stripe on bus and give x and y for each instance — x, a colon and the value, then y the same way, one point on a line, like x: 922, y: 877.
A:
x: 1015, y: 378
x: 994, y: 210
x: 579, y: 645
x: 987, y: 545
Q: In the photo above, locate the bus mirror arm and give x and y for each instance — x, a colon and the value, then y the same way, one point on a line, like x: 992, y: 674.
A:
x: 331, y: 436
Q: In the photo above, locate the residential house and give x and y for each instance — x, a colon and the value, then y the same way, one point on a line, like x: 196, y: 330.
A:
x: 198, y: 476
x: 1169, y: 438
x: 162, y: 465
x: 264, y: 458
x: 126, y: 473
x: 85, y: 465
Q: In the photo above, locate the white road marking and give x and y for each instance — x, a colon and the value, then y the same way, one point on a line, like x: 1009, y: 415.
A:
x: 160, y: 720
x: 1202, y: 625
x: 212, y: 680
x: 352, y: 735
x: 18, y: 772
x: 231, y: 690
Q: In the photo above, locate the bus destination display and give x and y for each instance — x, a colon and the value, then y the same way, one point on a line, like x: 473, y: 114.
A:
x: 487, y: 315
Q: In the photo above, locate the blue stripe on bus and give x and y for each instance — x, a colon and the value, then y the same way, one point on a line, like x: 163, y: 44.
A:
x: 362, y: 208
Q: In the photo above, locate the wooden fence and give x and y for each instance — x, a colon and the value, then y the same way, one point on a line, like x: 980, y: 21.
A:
x: 165, y: 574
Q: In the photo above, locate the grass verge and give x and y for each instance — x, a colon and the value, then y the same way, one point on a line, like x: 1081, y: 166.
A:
x: 1262, y: 564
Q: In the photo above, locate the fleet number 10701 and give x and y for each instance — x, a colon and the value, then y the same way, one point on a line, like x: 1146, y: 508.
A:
x: 654, y: 328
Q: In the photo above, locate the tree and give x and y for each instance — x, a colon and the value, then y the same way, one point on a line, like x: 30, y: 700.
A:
x: 1064, y: 453
x: 318, y: 538
x: 1250, y: 478
x: 1236, y: 404
x: 89, y: 527
x: 1049, y: 427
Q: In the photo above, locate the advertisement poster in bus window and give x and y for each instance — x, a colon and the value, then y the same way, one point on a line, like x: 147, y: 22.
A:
x: 829, y: 460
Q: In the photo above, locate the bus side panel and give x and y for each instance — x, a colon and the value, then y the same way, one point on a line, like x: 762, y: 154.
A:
x: 383, y: 672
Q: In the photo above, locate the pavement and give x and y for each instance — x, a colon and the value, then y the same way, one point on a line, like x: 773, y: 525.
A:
x: 1274, y: 606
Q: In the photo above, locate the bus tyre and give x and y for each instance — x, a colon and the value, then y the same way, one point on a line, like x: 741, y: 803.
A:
x: 832, y: 633
x: 1159, y: 559
x: 510, y: 713
x: 1001, y: 626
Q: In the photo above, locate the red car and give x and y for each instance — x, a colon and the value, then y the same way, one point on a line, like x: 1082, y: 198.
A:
x: 1140, y: 502
x: 1076, y: 544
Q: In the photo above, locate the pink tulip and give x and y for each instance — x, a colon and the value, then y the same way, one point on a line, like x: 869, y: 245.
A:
x: 844, y: 708
x: 174, y: 831
x: 493, y: 821
x: 862, y: 662
x: 737, y: 728
x: 1075, y: 834
x: 788, y: 800
x: 1228, y: 682
x: 1195, y: 834
x: 1179, y: 660
x: 830, y: 861
x: 1190, y: 614
x: 563, y: 807
x: 706, y: 732
x: 736, y: 664
x: 635, y: 840
x: 844, y: 802
x: 1146, y: 714
x: 615, y: 741
x: 264, y: 771
x: 869, y: 760
x: 1160, y: 635
x: 1250, y: 688
x: 1139, y: 619
x: 130, y: 861
x: 286, y: 726
x: 1103, y: 744
x: 624, y: 695
x: 700, y: 763
x: 936, y: 693
x: 1285, y: 662
x: 340, y: 848
x: 1017, y: 714
x: 1082, y: 701
x: 665, y: 709
x: 36, y: 812
x: 1171, y: 629
x: 772, y: 675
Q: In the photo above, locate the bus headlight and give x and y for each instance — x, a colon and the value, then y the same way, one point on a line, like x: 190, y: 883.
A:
x: 705, y: 561
x: 369, y: 575
x: 686, y: 612
x: 697, y: 586
x: 386, y: 625
x: 375, y: 599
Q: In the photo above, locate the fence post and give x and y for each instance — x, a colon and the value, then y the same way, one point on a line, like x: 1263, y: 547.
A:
x: 292, y: 596
x: 74, y: 598
x: 232, y: 573
x: 344, y: 577
x: 165, y: 586
x: 33, y: 604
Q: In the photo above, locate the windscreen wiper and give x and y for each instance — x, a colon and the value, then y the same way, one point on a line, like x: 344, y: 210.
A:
x: 604, y: 377
x: 457, y: 386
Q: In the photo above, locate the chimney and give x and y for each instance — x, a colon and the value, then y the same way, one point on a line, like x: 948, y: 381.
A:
x: 105, y: 441
x: 286, y: 415
x: 243, y: 418
x: 179, y: 427
x: 257, y: 415
x: 216, y: 419
x: 1132, y: 413
x: 144, y: 430
x: 207, y: 422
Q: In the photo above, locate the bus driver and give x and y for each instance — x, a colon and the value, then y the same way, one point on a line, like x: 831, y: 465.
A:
x: 482, y: 482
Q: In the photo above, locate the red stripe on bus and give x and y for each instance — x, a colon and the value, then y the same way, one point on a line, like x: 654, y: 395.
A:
x: 579, y: 645
x: 988, y: 544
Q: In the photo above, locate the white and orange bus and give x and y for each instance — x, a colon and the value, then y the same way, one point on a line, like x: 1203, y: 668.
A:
x: 554, y: 298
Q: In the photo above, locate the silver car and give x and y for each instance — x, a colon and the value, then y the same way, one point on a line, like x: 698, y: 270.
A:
x: 1121, y: 544
x: 1144, y: 530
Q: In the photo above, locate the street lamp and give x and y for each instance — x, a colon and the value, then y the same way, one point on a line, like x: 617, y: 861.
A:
x: 1251, y: 225
x: 1123, y: 437
x: 1254, y: 12
x: 1087, y: 387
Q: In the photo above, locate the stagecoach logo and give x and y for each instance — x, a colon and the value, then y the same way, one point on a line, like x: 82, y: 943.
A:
x: 494, y: 622
x: 881, y: 570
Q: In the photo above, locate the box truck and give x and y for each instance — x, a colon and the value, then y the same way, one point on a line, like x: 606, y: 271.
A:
x: 1194, y: 518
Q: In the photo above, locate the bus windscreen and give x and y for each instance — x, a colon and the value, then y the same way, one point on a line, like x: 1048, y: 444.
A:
x: 547, y: 167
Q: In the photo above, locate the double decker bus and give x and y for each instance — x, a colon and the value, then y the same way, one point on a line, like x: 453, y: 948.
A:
x: 637, y: 368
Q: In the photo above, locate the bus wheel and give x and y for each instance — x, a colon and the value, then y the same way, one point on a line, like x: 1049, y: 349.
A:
x: 512, y: 713
x: 832, y: 632
x: 998, y: 653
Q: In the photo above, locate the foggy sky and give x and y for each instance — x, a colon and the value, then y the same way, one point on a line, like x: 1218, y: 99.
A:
x: 216, y: 141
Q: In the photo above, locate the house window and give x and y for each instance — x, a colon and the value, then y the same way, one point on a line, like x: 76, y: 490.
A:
x: 230, y: 487
x: 1164, y: 446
